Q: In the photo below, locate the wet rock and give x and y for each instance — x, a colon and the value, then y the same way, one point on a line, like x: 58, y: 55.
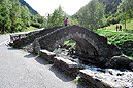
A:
x: 127, y: 47
x: 131, y: 65
x: 122, y: 62
x: 119, y: 74
x: 92, y: 79
x: 105, y: 80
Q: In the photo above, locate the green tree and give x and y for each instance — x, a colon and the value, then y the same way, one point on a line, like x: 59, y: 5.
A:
x: 38, y: 21
x: 92, y: 15
x: 41, y: 20
x: 15, y: 16
x: 56, y: 19
x: 26, y: 16
x: 49, y: 20
x: 125, y: 11
x: 73, y: 20
x: 5, y: 22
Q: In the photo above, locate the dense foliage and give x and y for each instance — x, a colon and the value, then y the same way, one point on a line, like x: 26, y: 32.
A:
x: 110, y: 5
x: 101, y: 13
x: 92, y: 15
x: 14, y: 17
x: 122, y: 39
x: 17, y: 15
x: 57, y: 18
x: 125, y: 11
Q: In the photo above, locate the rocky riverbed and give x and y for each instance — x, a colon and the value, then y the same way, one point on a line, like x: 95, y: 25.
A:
x: 98, y: 77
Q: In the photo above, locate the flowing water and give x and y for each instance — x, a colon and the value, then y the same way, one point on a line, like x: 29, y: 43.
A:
x: 122, y: 76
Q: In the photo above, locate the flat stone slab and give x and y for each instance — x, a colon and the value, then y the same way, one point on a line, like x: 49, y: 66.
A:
x: 108, y: 79
x: 66, y: 65
x: 71, y: 64
x: 47, y: 55
x: 47, y: 52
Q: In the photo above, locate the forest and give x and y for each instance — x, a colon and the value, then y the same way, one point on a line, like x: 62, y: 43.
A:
x: 103, y: 13
x: 15, y: 17
x: 102, y: 17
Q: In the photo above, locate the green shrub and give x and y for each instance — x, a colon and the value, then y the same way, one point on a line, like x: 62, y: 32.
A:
x: 36, y: 25
x: 121, y: 39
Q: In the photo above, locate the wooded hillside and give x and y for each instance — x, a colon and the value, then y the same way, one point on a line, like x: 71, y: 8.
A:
x: 16, y: 17
x: 101, y: 13
x: 110, y: 5
x: 28, y: 6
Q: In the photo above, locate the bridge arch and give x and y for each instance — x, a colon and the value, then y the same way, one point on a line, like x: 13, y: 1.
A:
x: 87, y: 41
x: 49, y: 39
x: 83, y: 44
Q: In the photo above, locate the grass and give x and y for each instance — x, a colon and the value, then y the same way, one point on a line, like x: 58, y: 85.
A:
x: 123, y: 39
x: 113, y: 27
x: 117, y: 38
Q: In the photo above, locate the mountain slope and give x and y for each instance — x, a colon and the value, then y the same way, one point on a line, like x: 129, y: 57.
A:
x: 110, y: 5
x: 29, y: 7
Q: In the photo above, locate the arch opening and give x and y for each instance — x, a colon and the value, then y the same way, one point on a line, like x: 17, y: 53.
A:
x: 86, y: 51
x: 81, y: 49
x: 69, y: 44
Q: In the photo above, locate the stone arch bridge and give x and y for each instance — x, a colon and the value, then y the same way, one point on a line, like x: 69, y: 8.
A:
x: 87, y: 42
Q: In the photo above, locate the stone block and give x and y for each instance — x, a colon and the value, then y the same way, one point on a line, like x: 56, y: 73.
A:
x: 47, y: 55
x: 123, y: 62
x: 69, y: 67
x: 106, y: 80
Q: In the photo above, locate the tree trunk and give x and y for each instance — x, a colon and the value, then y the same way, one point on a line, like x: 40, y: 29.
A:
x: 125, y: 25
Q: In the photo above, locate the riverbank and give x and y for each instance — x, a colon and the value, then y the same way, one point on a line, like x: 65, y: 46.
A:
x: 122, y: 39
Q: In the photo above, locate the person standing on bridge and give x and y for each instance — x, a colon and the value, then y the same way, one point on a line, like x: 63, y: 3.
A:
x: 66, y: 21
